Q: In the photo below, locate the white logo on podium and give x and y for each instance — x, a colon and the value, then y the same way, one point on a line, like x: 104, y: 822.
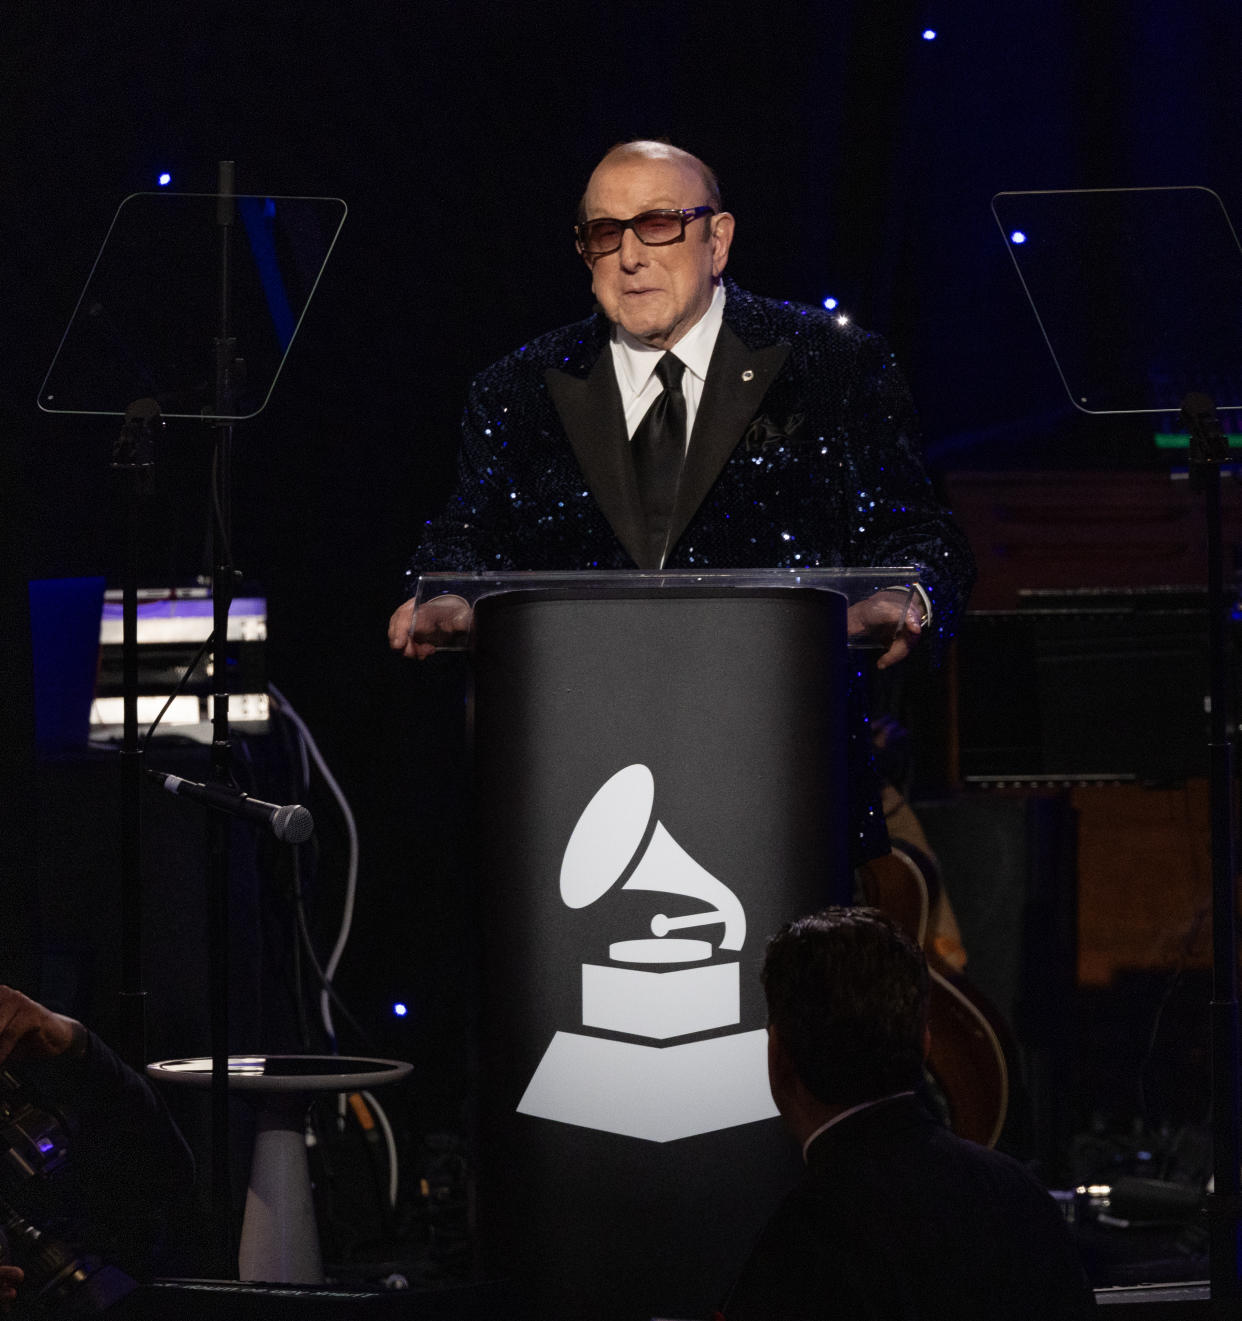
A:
x: 657, y: 1092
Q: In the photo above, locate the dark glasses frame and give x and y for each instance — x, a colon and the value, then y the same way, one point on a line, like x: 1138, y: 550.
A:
x: 686, y: 216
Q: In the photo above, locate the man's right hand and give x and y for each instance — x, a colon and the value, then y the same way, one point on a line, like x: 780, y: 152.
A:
x: 10, y: 1278
x: 443, y: 621
x: 28, y: 1031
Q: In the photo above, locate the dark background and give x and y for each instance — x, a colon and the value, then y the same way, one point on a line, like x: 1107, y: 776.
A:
x: 858, y: 158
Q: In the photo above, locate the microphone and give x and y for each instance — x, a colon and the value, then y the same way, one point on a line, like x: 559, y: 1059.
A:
x: 291, y: 825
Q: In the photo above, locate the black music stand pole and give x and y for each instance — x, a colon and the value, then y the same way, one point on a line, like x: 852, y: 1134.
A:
x: 120, y: 333
x: 1208, y: 450
x: 133, y: 459
x: 219, y: 828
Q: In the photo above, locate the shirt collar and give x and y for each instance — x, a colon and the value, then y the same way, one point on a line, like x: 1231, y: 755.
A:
x: 845, y: 1114
x: 638, y: 360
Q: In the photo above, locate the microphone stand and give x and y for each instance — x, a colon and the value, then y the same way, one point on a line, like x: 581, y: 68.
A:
x: 133, y: 459
x: 218, y: 825
x: 1208, y: 451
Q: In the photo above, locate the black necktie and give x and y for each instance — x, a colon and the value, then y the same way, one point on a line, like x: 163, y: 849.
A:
x: 659, y: 448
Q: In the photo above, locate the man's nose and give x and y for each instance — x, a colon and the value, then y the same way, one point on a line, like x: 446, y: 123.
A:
x: 633, y: 251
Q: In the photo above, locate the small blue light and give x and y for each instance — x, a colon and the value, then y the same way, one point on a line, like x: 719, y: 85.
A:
x: 45, y: 1145
x: 929, y: 34
x: 1017, y: 237
x: 165, y: 179
x: 400, y: 1010
x: 830, y: 303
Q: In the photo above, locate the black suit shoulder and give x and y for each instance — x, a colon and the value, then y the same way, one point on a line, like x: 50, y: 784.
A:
x: 755, y: 320
x: 841, y: 377
x: 899, y: 1218
x: 759, y: 321
x: 573, y: 348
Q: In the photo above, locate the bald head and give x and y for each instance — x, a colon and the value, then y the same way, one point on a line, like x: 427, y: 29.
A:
x: 648, y: 149
x: 656, y: 291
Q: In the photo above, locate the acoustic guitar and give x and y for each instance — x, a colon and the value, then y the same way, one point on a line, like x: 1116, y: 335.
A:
x: 970, y: 1043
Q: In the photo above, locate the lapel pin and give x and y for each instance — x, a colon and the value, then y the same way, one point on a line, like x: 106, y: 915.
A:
x: 748, y: 375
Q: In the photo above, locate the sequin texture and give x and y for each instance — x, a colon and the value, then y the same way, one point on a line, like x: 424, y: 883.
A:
x: 825, y: 472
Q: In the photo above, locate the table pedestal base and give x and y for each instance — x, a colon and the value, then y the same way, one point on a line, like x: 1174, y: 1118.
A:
x: 279, y: 1237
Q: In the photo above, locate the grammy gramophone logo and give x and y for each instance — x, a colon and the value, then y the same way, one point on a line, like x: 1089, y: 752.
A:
x: 657, y: 988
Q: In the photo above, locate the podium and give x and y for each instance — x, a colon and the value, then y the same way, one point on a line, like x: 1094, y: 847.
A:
x: 659, y: 775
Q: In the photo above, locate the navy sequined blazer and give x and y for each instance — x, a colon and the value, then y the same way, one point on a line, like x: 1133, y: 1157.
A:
x: 804, y: 454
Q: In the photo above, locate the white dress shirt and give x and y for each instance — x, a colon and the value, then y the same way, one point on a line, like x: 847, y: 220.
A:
x: 845, y: 1114
x: 634, y: 364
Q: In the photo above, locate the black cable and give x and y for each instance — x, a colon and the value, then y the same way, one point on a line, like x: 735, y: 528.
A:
x: 222, y: 520
x: 1174, y: 982
x: 299, y: 991
x: 177, y: 691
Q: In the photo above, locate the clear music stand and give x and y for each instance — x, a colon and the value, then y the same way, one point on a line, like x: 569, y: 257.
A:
x: 1138, y: 293
x: 153, y: 336
x: 146, y: 320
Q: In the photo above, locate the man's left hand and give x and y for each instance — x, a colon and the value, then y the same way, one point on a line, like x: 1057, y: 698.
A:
x: 894, y: 617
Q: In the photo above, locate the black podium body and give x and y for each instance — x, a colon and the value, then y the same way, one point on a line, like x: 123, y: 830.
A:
x: 659, y: 777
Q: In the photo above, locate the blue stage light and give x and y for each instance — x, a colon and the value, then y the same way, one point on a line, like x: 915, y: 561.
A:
x: 830, y: 303
x: 1017, y: 237
x: 400, y: 1010
x: 165, y: 179
x: 929, y: 34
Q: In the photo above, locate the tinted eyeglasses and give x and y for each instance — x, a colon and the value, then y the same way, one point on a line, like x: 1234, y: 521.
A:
x: 597, y: 238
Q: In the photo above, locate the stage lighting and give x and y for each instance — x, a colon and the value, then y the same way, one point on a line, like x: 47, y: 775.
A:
x: 165, y: 179
x: 830, y: 303
x: 929, y: 34
x: 400, y: 1010
x: 1017, y: 237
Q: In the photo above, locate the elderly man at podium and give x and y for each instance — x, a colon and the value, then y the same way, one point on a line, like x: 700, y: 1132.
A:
x: 689, y: 424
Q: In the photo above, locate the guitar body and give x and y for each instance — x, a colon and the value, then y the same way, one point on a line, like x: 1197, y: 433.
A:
x: 968, y: 1058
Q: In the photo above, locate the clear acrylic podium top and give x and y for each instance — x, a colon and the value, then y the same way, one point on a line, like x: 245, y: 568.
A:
x: 855, y: 584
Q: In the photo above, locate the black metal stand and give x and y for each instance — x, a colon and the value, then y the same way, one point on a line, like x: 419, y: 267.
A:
x: 133, y: 458
x: 219, y: 827
x: 79, y: 356
x: 1208, y: 449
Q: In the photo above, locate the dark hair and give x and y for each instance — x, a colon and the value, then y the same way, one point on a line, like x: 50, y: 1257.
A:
x: 641, y: 147
x: 847, y: 994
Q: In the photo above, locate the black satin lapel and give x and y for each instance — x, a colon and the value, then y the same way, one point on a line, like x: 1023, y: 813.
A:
x: 590, y: 410
x: 737, y: 381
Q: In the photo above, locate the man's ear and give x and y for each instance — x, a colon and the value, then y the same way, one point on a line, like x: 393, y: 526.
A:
x: 782, y: 1078
x: 721, y: 240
